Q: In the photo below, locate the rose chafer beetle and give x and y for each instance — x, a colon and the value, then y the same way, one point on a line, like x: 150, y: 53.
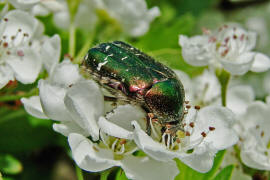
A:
x: 137, y: 78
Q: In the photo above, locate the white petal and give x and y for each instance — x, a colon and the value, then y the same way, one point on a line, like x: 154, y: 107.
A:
x: 252, y: 157
x: 200, y: 160
x: 133, y: 16
x: 52, y: 101
x: 39, y: 10
x: 68, y: 127
x: 251, y: 42
x: 240, y: 65
x: 149, y: 146
x: 261, y: 63
x: 123, y: 116
x: 138, y: 168
x: 32, y: 106
x: 6, y: 74
x: 18, y: 19
x: 26, y: 68
x: 80, y: 20
x: 65, y: 74
x: 257, y: 113
x: 238, y: 98
x: 85, y: 103
x: 187, y: 83
x: 195, y: 50
x: 85, y: 155
x: 50, y: 52
x: 113, y: 129
x: 61, y: 19
x: 222, y: 120
x: 23, y: 4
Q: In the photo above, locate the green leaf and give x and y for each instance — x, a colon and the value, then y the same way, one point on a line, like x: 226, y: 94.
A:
x: 21, y: 135
x: 160, y: 36
x: 121, y: 175
x: 217, y: 162
x: 225, y: 173
x: 9, y: 164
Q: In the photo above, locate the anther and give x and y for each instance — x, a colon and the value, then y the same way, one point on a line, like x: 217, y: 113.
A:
x: 211, y: 128
x: 12, y: 37
x: 4, y: 37
x: 262, y: 133
x: 122, y: 141
x: 188, y: 106
x: 186, y: 102
x: 5, y: 44
x: 185, y: 112
x: 20, y: 53
x: 203, y: 134
x: 242, y: 37
x: 257, y: 126
x: 234, y: 36
x: 19, y: 30
x: 6, y: 19
x: 25, y: 34
x: 197, y: 107
x: 151, y: 115
x: 177, y: 140
x: 155, y: 120
x: 8, y: 52
x: 187, y: 133
x: 191, y: 124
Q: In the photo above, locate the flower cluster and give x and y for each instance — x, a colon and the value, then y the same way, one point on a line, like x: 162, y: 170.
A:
x: 133, y: 16
x: 105, y: 130
x: 24, y: 49
x: 230, y: 47
x: 100, y: 140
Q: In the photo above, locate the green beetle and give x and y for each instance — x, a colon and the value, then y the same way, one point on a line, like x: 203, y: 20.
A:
x: 140, y: 79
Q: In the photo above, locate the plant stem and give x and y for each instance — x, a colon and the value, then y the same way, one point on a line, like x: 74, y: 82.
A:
x: 79, y: 173
x: 224, y: 78
x: 72, y: 39
x: 6, y: 98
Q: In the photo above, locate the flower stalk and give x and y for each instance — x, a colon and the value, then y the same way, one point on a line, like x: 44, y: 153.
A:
x: 223, y: 78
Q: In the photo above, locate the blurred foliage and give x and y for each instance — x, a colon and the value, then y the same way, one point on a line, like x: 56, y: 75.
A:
x: 225, y: 173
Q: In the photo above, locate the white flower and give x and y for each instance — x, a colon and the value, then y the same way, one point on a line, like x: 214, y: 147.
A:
x: 205, y: 132
x: 19, y: 57
x: 202, y: 90
x: 87, y: 8
x: 38, y: 7
x: 78, y: 104
x: 133, y: 15
x: 230, y: 47
x: 255, y: 124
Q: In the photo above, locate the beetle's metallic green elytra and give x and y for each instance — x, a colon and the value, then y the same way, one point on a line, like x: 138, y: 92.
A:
x: 141, y: 79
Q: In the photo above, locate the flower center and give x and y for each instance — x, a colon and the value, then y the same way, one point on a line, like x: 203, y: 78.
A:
x: 11, y: 45
x: 178, y: 138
